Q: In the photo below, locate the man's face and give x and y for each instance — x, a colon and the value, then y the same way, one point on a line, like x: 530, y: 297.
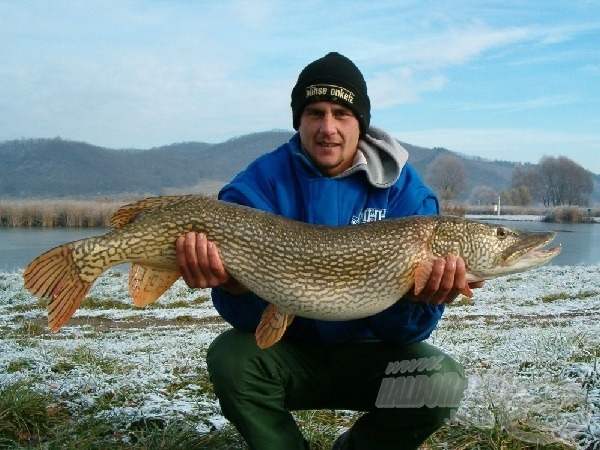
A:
x: 329, y: 134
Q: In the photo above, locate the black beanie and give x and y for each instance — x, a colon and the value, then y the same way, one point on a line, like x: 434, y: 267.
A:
x: 336, y: 79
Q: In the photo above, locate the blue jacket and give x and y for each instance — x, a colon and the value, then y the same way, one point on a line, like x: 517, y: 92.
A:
x: 286, y: 182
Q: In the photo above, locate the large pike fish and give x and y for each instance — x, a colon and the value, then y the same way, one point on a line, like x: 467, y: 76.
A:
x: 319, y: 272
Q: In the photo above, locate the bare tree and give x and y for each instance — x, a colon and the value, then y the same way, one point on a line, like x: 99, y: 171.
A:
x: 557, y: 181
x: 447, y: 176
x: 483, y: 195
x: 565, y: 182
x: 528, y: 177
x: 519, y: 196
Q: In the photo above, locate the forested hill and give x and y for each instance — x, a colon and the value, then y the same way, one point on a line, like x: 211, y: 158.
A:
x: 62, y: 168
x: 47, y: 168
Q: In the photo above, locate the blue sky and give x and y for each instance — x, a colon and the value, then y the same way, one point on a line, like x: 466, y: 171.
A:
x: 505, y: 80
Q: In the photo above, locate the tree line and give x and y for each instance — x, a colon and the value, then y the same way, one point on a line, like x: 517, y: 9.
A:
x: 555, y: 181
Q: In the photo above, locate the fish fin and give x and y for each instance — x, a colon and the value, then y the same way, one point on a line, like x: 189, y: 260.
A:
x: 147, y: 283
x: 273, y: 324
x: 55, y: 277
x: 127, y: 213
x: 422, y: 273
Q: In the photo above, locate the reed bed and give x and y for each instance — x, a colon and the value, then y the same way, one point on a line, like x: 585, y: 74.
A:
x: 57, y: 213
x: 559, y: 214
x: 96, y: 213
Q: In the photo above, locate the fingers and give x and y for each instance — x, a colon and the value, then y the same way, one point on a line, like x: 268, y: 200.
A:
x: 214, y: 270
x: 182, y: 260
x: 447, y: 280
x: 199, y: 262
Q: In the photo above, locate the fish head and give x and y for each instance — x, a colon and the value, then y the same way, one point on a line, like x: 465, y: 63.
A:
x: 490, y: 250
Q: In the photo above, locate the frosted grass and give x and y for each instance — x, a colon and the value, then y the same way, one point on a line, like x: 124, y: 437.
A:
x: 529, y: 342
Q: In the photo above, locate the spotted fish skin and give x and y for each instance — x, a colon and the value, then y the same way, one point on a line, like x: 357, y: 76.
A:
x: 319, y: 272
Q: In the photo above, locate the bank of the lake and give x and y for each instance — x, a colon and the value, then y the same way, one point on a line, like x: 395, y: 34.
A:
x: 580, y: 242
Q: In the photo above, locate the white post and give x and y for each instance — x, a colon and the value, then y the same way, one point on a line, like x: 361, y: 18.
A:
x: 498, y: 205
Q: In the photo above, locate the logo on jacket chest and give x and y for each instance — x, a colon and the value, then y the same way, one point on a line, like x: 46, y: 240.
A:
x: 368, y: 215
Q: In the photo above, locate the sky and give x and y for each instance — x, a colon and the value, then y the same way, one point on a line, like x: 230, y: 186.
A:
x: 501, y: 80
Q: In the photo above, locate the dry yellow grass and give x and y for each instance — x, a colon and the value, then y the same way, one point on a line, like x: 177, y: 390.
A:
x: 57, y: 213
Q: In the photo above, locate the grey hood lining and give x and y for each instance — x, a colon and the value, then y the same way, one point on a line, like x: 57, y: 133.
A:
x: 381, y: 156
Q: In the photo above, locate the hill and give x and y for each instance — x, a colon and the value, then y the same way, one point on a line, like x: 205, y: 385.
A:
x: 54, y: 168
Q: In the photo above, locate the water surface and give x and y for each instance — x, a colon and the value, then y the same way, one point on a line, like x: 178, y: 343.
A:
x: 18, y: 246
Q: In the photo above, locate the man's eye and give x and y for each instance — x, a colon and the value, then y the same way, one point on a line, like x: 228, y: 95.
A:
x: 313, y: 113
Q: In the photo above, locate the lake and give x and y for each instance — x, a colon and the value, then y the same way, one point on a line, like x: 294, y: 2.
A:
x: 580, y: 241
x: 18, y: 246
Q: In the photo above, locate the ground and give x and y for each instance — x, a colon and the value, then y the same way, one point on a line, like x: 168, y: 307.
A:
x: 529, y: 342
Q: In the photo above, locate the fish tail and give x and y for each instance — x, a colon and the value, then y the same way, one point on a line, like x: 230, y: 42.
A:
x: 55, y: 277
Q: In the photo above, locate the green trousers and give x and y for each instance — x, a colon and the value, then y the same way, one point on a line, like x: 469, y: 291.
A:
x: 406, y: 392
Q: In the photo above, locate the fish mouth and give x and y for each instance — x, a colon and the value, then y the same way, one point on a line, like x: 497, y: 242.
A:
x: 530, y: 252
x: 526, y: 254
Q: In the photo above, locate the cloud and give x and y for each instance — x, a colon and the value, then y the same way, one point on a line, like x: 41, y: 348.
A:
x: 401, y: 86
x: 417, y: 66
x: 533, y: 103
x: 135, y: 73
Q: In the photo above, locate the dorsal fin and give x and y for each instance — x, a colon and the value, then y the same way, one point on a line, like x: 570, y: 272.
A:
x: 126, y: 214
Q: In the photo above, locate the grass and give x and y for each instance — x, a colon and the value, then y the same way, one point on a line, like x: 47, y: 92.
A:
x: 136, y: 382
x: 29, y: 419
x: 25, y: 415
x: 93, y: 302
x: 582, y: 295
x: 458, y: 437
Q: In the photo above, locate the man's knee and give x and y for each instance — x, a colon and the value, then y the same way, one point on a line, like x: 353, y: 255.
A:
x: 227, y: 352
x: 237, y: 365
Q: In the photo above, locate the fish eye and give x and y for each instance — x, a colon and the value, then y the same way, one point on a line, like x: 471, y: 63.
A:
x: 501, y: 232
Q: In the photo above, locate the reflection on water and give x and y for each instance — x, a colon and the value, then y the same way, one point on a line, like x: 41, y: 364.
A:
x: 18, y: 246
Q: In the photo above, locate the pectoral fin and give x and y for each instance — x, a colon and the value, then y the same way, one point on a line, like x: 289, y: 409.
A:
x: 147, y: 283
x: 422, y: 273
x: 272, y: 326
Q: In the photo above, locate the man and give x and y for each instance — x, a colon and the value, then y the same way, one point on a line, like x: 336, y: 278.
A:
x: 335, y: 171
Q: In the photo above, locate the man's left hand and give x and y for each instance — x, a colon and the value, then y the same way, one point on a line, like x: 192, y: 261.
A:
x: 448, y: 277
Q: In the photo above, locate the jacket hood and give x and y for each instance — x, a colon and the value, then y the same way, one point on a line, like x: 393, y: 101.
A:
x: 381, y: 156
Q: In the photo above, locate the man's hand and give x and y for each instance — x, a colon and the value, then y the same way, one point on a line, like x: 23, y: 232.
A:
x: 201, y: 266
x: 448, y: 277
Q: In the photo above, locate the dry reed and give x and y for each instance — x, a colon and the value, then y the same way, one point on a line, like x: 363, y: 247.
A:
x: 57, y: 213
x: 96, y: 213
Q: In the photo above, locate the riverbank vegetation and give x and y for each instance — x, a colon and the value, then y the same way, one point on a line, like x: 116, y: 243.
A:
x: 96, y: 213
x: 57, y: 213
x: 558, y: 214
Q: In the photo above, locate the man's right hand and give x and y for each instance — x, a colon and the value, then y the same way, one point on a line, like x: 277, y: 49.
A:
x: 201, y: 266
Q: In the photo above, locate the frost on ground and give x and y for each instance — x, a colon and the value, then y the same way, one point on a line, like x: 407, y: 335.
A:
x: 529, y: 343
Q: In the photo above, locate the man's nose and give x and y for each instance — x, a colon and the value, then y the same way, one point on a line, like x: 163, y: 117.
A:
x: 328, y: 124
